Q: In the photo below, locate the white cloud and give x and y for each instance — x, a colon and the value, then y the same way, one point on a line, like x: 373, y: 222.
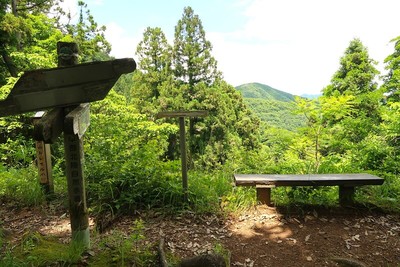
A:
x: 296, y: 46
x: 123, y: 45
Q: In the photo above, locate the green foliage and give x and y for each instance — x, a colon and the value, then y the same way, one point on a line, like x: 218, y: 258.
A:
x: 192, y: 84
x: 39, y: 49
x: 121, y: 249
x: 207, y: 190
x: 9, y: 260
x: 356, y: 73
x: 16, y: 144
x: 153, y: 81
x: 192, y: 58
x: 273, y: 107
x: 21, y: 185
x: 36, y: 250
x: 28, y: 36
x: 115, y: 249
x: 326, y: 195
x: 89, y: 36
x: 224, y: 252
x: 276, y: 113
x: 392, y: 79
x: 229, y: 124
x: 124, y: 152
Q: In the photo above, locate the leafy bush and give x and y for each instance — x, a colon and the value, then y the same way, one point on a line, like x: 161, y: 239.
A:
x: 124, y: 151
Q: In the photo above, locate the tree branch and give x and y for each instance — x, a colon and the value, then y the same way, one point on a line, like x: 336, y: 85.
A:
x: 34, y: 5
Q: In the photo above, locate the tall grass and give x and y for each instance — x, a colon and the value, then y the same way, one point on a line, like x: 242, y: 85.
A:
x: 21, y: 185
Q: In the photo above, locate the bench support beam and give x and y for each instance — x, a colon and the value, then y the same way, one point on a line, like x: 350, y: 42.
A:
x: 264, y: 195
x: 346, y: 195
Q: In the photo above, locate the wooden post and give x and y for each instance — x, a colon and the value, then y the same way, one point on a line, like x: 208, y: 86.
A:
x: 346, y: 195
x: 182, y: 141
x: 73, y: 147
x: 76, y: 189
x: 264, y: 194
x: 43, y: 155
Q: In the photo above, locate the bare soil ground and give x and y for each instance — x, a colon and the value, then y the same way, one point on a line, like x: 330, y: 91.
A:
x: 262, y: 236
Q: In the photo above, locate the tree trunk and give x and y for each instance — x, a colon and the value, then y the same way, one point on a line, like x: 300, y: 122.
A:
x: 14, y: 7
x: 9, y: 63
x: 14, y: 10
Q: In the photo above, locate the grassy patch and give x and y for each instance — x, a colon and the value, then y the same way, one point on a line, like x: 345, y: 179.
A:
x: 21, y: 185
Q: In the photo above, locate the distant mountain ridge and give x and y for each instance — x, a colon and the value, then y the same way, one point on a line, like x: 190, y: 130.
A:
x: 258, y: 90
x: 274, y: 107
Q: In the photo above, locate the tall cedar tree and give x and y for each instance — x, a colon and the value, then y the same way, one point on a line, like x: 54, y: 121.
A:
x: 391, y: 87
x: 356, y: 73
x: 355, y: 78
x: 90, y: 37
x: 188, y: 79
x: 192, y: 58
x: 154, y: 64
x: 391, y: 83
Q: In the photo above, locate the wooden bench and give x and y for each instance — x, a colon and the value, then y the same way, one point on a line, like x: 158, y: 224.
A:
x: 346, y: 183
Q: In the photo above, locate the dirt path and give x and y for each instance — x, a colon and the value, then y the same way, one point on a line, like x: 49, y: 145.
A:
x: 262, y: 236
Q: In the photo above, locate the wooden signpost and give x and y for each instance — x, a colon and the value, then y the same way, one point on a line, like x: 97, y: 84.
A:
x: 75, y: 125
x: 182, y: 140
x: 43, y: 156
x: 64, y: 89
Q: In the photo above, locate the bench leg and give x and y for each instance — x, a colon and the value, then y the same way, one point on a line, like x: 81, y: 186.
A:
x: 264, y: 195
x: 346, y: 195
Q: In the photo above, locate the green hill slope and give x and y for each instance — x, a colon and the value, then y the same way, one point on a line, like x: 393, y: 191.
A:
x: 258, y: 90
x: 272, y: 106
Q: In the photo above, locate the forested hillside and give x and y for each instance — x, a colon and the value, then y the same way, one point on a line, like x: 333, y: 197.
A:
x: 132, y: 157
x: 258, y: 90
x: 272, y: 106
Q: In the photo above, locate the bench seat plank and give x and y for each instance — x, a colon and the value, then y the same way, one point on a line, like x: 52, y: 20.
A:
x: 353, y: 179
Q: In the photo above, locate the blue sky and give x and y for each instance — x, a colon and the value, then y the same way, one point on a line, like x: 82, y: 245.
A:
x: 291, y: 45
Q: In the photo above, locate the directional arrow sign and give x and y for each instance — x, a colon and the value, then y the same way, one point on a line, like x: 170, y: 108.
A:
x: 65, y: 86
x: 78, y: 120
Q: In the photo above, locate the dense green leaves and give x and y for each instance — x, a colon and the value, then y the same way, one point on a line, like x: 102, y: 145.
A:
x: 185, y: 77
x: 124, y: 153
x: 89, y: 36
x: 356, y: 73
x: 192, y: 58
x: 392, y: 79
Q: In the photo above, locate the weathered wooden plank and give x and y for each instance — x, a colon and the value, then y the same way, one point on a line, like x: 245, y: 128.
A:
x: 64, y: 86
x: 181, y: 113
x: 307, y: 179
x: 43, y: 156
x: 79, y: 214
